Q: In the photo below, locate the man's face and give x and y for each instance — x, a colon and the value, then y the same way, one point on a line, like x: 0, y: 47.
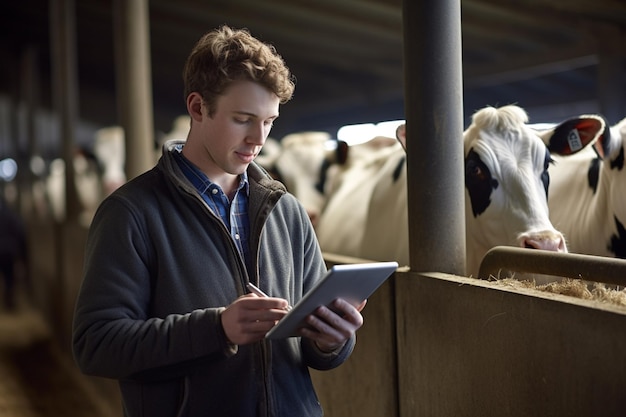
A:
x: 236, y: 132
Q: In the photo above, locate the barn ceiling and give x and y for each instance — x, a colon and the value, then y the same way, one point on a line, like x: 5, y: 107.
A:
x: 346, y: 54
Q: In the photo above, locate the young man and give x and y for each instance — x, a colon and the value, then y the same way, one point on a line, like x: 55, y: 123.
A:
x: 163, y: 306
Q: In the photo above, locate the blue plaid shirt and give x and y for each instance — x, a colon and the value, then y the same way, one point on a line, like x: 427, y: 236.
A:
x: 234, y: 215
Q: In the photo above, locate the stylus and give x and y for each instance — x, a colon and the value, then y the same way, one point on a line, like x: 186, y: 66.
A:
x: 253, y: 288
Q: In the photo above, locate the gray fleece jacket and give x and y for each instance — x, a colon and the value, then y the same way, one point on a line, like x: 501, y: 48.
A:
x: 159, y: 269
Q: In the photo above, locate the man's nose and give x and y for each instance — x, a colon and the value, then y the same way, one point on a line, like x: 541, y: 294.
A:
x: 257, y: 134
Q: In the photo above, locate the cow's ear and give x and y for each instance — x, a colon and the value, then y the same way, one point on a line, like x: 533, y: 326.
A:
x: 603, y: 143
x: 401, y: 134
x: 575, y: 134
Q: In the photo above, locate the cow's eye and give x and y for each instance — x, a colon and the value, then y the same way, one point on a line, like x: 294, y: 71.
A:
x: 475, y: 171
x: 478, y: 173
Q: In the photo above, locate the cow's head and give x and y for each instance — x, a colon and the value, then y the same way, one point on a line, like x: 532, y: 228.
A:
x: 301, y: 161
x: 507, y: 179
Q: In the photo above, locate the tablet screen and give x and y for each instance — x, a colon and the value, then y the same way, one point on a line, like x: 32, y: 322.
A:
x: 352, y: 282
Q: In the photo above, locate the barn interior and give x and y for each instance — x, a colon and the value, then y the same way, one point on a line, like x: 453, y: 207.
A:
x: 554, y: 58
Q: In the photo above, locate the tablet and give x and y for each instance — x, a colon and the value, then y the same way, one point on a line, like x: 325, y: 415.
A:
x: 352, y: 282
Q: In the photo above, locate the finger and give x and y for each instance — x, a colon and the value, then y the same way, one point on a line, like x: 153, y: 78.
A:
x: 344, y: 304
x: 328, y: 323
x: 260, y: 326
x: 248, y: 318
x: 361, y: 306
x: 343, y: 319
x: 254, y: 302
x: 320, y: 332
x: 347, y: 311
x: 326, y: 337
x: 272, y: 315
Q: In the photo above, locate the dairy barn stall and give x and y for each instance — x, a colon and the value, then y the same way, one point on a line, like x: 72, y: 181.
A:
x: 436, y: 342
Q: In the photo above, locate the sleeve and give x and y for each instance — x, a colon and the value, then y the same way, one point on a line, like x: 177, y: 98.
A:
x: 114, y: 333
x: 323, y: 361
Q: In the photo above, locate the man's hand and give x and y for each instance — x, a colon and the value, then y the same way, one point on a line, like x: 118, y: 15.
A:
x: 330, y: 329
x: 250, y: 317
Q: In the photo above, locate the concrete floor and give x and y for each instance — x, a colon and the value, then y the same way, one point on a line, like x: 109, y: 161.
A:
x: 37, y: 379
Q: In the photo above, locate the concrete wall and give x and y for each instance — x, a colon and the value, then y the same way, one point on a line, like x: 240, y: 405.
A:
x: 444, y: 345
x: 432, y: 344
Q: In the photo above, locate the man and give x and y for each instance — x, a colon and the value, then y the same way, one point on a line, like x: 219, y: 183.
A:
x: 163, y: 306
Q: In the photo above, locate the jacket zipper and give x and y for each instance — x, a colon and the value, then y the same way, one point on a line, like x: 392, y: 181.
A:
x: 265, y: 348
x: 264, y: 344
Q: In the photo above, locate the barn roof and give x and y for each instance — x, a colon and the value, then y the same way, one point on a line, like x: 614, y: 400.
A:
x: 346, y: 54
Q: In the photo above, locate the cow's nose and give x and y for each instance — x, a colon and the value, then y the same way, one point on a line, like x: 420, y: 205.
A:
x: 550, y: 242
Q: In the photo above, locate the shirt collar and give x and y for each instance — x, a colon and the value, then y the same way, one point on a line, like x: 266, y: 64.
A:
x: 198, y: 179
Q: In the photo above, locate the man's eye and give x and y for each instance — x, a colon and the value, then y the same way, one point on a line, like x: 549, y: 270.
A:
x: 242, y: 121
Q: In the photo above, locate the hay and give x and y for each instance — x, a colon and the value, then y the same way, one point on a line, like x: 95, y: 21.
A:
x: 578, y: 288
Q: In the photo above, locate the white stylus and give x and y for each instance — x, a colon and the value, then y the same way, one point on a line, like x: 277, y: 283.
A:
x: 253, y: 288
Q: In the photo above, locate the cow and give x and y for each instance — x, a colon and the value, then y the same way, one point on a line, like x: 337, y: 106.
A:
x: 87, y: 182
x: 299, y: 160
x: 340, y: 226
x: 587, y: 197
x: 506, y: 187
x: 311, y: 165
x: 97, y: 172
x: 388, y: 237
x: 109, y: 149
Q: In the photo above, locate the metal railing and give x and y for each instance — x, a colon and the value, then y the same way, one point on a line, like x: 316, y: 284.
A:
x: 570, y: 265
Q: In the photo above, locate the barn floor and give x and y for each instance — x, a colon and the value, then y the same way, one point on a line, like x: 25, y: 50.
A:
x: 36, y: 378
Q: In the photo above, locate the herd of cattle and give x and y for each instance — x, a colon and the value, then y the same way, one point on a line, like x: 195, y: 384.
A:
x: 561, y: 188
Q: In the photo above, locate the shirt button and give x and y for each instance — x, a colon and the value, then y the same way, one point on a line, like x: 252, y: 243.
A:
x: 214, y: 191
x: 237, y: 236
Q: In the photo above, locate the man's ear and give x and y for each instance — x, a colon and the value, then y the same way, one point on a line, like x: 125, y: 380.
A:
x: 194, y: 106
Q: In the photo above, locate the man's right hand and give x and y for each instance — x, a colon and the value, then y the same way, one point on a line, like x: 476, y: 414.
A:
x: 250, y: 317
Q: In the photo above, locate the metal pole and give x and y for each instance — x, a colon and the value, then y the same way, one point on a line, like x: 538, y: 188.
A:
x: 611, y: 67
x: 434, y: 117
x: 65, y: 98
x: 29, y: 96
x: 65, y: 91
x: 134, y: 83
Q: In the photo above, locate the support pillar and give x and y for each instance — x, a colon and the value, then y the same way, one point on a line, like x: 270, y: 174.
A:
x: 434, y: 116
x: 134, y: 83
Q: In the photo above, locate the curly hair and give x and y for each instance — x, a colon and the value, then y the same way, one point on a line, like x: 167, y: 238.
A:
x: 225, y: 55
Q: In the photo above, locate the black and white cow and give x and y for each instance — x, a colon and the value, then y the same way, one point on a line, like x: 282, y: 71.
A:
x: 319, y: 170
x: 301, y: 161
x: 507, y: 179
x: 506, y: 182
x: 587, y: 197
x: 341, y: 224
